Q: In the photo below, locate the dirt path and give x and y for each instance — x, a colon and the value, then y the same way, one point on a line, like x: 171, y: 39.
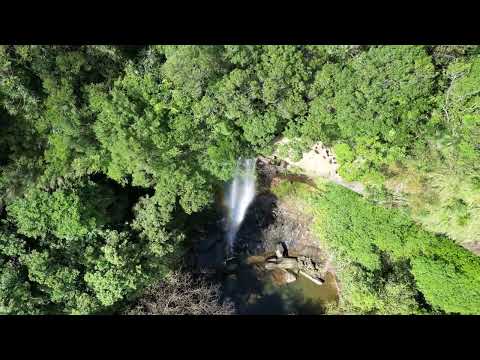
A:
x: 473, y: 247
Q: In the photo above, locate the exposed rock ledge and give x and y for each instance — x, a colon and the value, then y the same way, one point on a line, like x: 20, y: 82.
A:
x: 283, y: 269
x: 320, y: 161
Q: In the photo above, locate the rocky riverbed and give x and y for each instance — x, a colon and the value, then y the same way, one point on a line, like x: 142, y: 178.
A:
x: 278, y: 266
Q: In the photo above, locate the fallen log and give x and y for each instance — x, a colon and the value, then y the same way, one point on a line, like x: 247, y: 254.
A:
x: 316, y: 281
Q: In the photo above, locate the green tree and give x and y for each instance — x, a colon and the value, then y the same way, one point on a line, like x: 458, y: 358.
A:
x: 376, y: 102
x: 386, y: 262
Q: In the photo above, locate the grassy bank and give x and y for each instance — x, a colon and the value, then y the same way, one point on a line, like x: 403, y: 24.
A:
x: 387, y: 264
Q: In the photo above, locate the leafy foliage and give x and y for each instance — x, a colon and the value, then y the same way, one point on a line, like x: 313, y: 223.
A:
x: 388, y: 264
x: 167, y: 123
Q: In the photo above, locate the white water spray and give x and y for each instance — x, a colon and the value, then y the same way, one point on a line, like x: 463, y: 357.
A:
x: 239, y: 195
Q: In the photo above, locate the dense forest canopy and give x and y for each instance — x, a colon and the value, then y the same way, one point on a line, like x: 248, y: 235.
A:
x: 105, y: 152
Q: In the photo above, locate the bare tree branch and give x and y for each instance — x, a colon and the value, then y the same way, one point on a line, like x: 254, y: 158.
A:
x: 181, y: 294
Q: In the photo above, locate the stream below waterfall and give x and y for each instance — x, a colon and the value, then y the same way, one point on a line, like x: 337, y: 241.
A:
x: 248, y: 285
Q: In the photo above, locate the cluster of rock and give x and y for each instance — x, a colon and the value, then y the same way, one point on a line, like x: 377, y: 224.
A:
x: 283, y: 269
x: 308, y: 264
x: 318, y: 161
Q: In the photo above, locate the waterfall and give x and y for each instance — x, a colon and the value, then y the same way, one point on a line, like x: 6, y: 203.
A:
x: 239, y: 195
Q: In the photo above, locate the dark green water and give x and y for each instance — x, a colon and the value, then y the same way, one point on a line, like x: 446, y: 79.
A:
x: 253, y: 292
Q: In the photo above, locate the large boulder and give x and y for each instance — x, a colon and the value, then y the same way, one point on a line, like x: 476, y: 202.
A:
x: 281, y: 277
x: 284, y: 263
